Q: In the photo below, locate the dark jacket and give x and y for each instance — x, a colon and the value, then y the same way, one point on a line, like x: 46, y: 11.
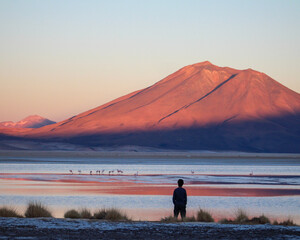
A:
x: 179, y: 197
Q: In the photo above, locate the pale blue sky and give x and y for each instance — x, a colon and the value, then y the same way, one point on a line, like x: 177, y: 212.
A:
x: 59, y: 58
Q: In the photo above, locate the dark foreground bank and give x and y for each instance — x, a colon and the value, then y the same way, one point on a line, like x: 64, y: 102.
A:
x: 51, y: 228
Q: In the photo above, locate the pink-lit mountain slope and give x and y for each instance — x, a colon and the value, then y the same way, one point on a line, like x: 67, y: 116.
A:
x: 201, y: 106
x: 33, y: 121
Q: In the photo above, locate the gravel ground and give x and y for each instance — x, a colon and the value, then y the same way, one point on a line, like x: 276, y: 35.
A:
x: 48, y: 228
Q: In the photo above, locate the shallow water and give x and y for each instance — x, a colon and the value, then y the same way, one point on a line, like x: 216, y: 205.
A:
x: 145, y: 187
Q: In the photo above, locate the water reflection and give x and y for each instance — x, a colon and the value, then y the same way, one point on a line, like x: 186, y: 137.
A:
x: 274, y: 189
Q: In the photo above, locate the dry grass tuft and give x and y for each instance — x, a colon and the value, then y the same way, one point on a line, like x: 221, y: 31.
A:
x: 260, y: 220
x: 9, y: 212
x: 114, y: 214
x: 85, y: 213
x: 190, y: 219
x: 170, y: 219
x: 241, y: 217
x: 288, y: 222
x: 37, y: 209
x: 204, y: 216
x: 72, y: 214
x: 100, y: 214
x: 226, y: 221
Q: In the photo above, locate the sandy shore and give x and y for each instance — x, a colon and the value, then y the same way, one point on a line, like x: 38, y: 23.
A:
x: 146, y: 154
x: 13, y: 228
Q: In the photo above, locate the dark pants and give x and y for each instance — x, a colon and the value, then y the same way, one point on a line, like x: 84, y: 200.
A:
x: 179, y: 209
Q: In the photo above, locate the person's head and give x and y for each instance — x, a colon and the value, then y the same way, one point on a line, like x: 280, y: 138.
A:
x: 180, y: 182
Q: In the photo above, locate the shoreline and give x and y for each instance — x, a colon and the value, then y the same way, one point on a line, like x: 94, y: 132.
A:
x: 148, y: 154
x: 54, y: 228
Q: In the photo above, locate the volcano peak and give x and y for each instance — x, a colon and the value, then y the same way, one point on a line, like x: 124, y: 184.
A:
x: 205, y: 63
x: 200, y: 106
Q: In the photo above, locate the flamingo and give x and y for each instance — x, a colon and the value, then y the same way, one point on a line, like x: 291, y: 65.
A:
x: 71, y: 171
x: 79, y: 171
x: 119, y: 171
x: 136, y: 174
x: 109, y: 172
x: 251, y: 174
x: 192, y: 172
x: 91, y: 172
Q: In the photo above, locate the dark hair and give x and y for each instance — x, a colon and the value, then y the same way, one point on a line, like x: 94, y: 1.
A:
x: 180, y: 182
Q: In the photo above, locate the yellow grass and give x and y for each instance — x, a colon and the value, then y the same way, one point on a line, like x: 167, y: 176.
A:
x: 287, y: 222
x: 72, y: 214
x: 204, y: 216
x: 9, y: 212
x: 100, y: 214
x: 85, y: 213
x: 37, y: 209
x: 114, y: 214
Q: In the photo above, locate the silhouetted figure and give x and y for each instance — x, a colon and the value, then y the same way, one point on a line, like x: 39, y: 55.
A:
x: 179, y: 200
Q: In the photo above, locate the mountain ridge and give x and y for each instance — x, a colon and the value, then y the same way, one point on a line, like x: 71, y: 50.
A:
x: 237, y: 107
x: 32, y: 121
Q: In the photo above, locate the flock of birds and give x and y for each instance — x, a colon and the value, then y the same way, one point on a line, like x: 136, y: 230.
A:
x: 119, y: 172
x: 101, y: 172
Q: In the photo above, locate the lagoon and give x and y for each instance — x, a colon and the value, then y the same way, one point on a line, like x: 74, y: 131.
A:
x: 144, y: 189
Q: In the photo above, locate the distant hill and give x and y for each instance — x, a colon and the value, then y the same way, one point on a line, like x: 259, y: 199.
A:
x: 199, y: 107
x: 33, y: 121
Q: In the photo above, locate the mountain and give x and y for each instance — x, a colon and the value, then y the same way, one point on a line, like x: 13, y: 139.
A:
x: 200, y: 106
x: 33, y: 121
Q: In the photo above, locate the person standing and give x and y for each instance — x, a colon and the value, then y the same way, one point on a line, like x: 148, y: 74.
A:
x: 180, y: 200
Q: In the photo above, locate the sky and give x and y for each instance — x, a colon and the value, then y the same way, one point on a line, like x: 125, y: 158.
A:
x: 61, y: 58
